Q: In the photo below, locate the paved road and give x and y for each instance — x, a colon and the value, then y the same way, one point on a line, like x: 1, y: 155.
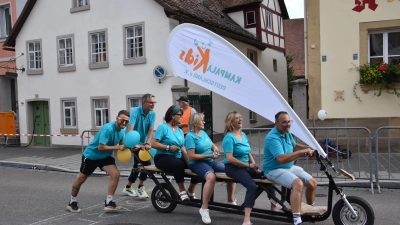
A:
x: 38, y: 197
x: 69, y: 159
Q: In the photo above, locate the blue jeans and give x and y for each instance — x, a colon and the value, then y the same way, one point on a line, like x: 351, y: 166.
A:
x: 245, y: 177
x: 202, y: 168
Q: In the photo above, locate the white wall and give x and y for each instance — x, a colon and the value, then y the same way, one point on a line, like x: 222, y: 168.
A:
x: 237, y: 17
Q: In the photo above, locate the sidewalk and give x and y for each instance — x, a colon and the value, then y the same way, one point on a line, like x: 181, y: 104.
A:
x: 69, y: 160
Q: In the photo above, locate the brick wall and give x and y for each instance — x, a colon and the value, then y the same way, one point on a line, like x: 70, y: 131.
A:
x: 294, y: 44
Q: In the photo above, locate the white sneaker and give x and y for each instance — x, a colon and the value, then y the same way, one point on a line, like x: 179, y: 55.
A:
x: 130, y: 191
x: 232, y: 203
x: 141, y: 192
x: 205, y: 216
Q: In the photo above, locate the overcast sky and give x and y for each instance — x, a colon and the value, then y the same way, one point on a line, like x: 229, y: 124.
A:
x: 295, y: 8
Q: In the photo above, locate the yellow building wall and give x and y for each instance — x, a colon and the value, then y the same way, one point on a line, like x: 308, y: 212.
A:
x: 339, y: 33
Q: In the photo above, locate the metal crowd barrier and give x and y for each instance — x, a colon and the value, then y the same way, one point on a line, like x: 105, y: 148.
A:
x: 383, y: 170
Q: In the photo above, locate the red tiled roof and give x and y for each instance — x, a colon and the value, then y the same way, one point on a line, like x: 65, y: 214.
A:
x: 209, y: 14
x: 235, y: 3
x: 294, y: 44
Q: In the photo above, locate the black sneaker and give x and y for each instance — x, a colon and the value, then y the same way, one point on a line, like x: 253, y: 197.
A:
x: 111, y: 206
x: 73, y: 207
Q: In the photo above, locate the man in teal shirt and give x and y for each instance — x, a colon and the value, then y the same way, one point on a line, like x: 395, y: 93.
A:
x: 142, y: 120
x: 280, y: 150
x: 98, y: 154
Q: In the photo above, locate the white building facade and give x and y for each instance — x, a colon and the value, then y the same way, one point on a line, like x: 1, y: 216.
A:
x: 86, y: 60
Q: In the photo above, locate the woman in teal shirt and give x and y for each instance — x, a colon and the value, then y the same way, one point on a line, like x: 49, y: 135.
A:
x: 171, y: 153
x: 239, y: 163
x: 202, y: 152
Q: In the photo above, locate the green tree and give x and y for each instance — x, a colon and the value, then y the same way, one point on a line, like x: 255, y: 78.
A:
x: 290, y: 77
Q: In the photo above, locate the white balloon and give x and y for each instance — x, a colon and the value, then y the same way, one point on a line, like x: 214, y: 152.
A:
x: 322, y: 114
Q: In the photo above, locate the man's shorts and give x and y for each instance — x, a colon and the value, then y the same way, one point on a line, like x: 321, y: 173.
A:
x: 285, y: 177
x: 88, y: 166
x: 202, y: 168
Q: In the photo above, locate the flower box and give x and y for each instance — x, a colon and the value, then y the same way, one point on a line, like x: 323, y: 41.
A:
x: 371, y: 87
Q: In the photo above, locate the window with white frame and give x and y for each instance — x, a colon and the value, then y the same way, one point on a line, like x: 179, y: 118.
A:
x: 5, y: 20
x: 252, y: 55
x: 98, y: 47
x: 34, y: 56
x: 100, y: 108
x: 134, y: 102
x: 66, y: 59
x: 268, y: 18
x: 69, y: 111
x: 65, y: 52
x: 384, y: 46
x: 69, y: 117
x: 252, y: 116
x: 250, y: 18
x: 80, y: 5
x: 134, y: 43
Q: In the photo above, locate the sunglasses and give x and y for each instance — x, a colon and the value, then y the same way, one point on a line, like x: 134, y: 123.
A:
x: 120, y: 120
x: 178, y: 114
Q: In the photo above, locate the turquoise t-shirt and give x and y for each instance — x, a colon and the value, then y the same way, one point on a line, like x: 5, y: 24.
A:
x: 239, y: 149
x: 167, y: 136
x: 109, y: 136
x: 276, y: 144
x: 201, y: 145
x: 142, y: 122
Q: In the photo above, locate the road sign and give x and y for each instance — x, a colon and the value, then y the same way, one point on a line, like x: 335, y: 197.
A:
x: 159, y: 72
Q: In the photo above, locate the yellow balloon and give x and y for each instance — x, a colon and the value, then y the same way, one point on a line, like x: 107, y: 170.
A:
x: 124, y: 155
x: 144, y: 155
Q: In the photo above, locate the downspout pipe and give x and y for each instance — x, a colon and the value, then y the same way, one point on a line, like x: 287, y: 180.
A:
x: 305, y: 42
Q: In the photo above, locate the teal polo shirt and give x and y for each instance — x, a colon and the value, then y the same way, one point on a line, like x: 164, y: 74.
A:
x: 276, y: 144
x: 201, y: 145
x: 109, y: 136
x: 166, y: 136
x: 239, y: 149
x: 141, y: 122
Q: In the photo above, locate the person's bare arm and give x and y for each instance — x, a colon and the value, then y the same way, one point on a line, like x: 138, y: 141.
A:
x: 300, y: 147
x: 184, y: 153
x: 157, y: 145
x: 236, y: 162
x: 147, y: 145
x: 287, y: 158
x: 215, y: 148
x: 102, y: 147
x: 193, y: 156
